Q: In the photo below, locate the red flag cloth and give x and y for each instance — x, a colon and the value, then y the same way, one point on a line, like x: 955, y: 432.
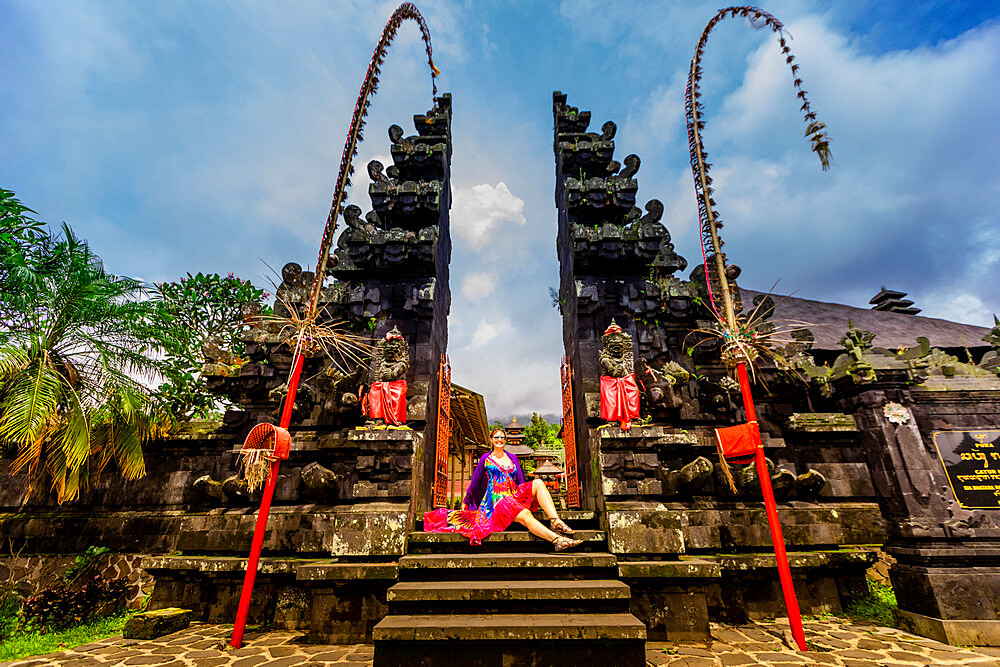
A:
x: 387, y: 401
x: 740, y: 441
x: 619, y: 400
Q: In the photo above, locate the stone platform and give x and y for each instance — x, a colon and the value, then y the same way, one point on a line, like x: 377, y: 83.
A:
x: 837, y: 641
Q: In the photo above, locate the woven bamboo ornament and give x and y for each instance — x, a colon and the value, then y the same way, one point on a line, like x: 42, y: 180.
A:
x: 738, y: 442
x: 265, y: 444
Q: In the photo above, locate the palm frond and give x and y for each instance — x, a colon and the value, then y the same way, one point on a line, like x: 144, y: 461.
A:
x: 68, y: 371
x: 29, y: 403
x: 125, y: 423
x: 74, y: 432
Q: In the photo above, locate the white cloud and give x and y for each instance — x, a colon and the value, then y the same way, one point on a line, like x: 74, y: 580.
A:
x: 905, y: 204
x: 209, y: 136
x: 480, y: 210
x: 957, y: 307
x: 487, y: 331
x: 479, y: 285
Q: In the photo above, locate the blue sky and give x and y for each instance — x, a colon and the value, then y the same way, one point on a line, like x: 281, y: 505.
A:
x: 205, y: 136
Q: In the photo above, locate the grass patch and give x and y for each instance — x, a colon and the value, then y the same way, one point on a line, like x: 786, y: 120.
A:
x: 28, y: 642
x: 878, y: 606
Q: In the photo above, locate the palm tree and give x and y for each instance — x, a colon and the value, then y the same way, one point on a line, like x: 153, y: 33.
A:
x: 71, y: 358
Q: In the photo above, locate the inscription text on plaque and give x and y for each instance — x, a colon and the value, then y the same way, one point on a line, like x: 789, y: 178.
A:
x: 971, y: 460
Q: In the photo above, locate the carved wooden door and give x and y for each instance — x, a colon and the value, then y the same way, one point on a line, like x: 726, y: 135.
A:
x: 443, y: 433
x: 569, y: 436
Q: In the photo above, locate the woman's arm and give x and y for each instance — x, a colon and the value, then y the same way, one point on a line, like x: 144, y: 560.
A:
x: 477, y: 486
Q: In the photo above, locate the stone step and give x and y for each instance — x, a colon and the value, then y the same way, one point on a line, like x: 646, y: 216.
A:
x: 569, y: 516
x: 421, y: 542
x: 508, y: 627
x: 478, y: 590
x: 551, y: 653
x: 598, y: 596
x: 575, y: 518
x: 507, y: 566
x: 511, y: 560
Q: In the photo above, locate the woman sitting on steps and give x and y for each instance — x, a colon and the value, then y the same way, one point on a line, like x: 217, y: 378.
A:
x: 498, y: 496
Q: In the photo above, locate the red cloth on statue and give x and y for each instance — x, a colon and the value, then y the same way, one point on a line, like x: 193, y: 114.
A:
x: 619, y: 399
x: 387, y: 401
x: 740, y: 441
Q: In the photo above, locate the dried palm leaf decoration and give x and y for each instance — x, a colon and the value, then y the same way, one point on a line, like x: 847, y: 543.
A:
x: 301, y: 330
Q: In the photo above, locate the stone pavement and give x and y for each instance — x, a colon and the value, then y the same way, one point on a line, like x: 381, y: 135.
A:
x: 835, y: 641
x: 832, y: 641
x: 200, y: 646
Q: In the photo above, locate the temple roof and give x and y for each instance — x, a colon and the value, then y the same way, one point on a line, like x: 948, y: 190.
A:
x: 468, y: 411
x: 547, y: 469
x: 514, y: 427
x: 828, y: 323
x: 544, y: 451
x: 519, y: 450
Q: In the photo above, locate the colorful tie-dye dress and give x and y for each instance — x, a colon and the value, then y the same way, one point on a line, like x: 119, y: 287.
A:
x: 504, y: 500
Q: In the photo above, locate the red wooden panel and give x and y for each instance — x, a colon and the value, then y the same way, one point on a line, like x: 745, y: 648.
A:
x: 443, y: 434
x: 569, y: 436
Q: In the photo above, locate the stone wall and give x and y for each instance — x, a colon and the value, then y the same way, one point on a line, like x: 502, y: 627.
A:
x: 30, y: 574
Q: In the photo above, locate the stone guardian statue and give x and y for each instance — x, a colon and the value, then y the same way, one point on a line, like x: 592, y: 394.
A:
x: 619, y: 390
x: 386, y: 400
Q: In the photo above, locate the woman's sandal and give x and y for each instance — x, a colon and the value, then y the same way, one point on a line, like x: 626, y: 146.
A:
x: 559, y: 526
x: 561, y: 543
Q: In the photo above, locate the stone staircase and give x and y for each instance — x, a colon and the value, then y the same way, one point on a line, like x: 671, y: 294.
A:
x: 509, y: 602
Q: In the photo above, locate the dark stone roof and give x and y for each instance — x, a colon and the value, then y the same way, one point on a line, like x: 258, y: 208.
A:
x: 828, y: 323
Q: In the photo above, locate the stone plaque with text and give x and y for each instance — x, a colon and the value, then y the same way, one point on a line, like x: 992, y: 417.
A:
x: 971, y: 460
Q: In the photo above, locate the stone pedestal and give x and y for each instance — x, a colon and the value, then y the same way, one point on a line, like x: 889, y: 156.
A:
x: 947, y: 570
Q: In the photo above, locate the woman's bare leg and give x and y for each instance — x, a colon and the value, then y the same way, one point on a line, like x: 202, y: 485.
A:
x: 527, y: 519
x: 544, y: 498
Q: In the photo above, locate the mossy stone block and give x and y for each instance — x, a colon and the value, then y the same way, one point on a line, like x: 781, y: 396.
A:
x: 153, y: 624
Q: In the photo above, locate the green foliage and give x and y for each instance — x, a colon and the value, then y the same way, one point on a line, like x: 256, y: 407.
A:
x: 539, y: 431
x: 198, y: 313
x: 86, y: 563
x: 73, y: 340
x: 23, y: 245
x: 32, y: 642
x: 10, y: 604
x: 66, y: 605
x: 79, y: 595
x: 875, y: 607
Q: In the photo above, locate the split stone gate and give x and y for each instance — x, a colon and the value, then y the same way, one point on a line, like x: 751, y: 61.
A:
x: 855, y: 464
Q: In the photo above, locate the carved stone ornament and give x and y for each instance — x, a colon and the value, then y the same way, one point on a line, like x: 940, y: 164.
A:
x: 392, y: 358
x: 896, y: 413
x: 616, y: 354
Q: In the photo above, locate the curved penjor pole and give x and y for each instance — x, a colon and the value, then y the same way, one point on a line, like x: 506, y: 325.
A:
x: 354, y: 137
x: 738, y: 345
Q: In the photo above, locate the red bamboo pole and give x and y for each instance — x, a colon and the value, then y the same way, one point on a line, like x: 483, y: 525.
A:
x: 777, y: 539
x: 265, y: 508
